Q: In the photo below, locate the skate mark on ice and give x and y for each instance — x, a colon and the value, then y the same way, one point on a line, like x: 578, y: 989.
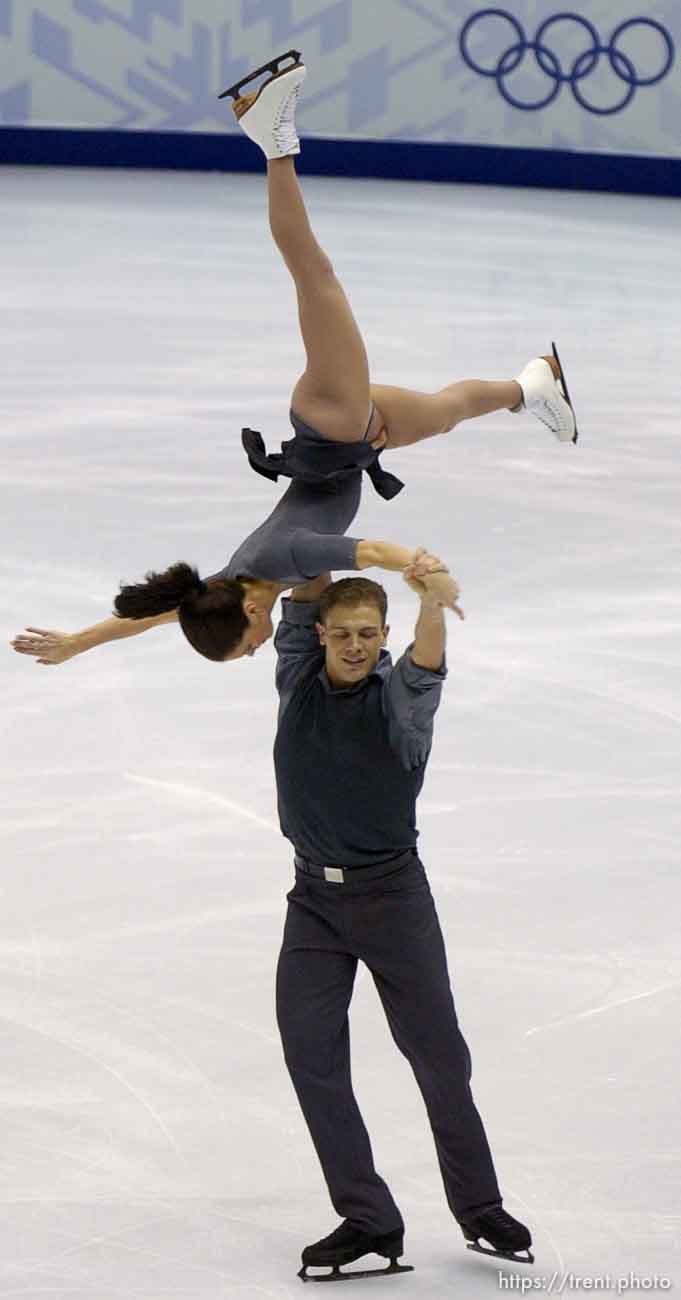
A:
x: 531, y: 1213
x: 205, y: 797
x: 181, y: 1055
x: 191, y: 921
x: 103, y: 1238
x: 270, y: 1039
x: 627, y: 657
x: 544, y: 796
x: 607, y: 1006
x: 109, y: 1069
x: 86, y: 1167
x: 530, y: 672
x: 212, y: 1014
x: 241, y: 1288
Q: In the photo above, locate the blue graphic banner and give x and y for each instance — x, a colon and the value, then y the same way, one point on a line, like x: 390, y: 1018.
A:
x: 595, y: 76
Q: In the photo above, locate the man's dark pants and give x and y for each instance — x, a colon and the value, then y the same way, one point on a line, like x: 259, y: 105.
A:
x: 391, y: 925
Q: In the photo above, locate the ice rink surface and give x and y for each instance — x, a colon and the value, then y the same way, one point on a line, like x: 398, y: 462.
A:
x: 152, y: 1143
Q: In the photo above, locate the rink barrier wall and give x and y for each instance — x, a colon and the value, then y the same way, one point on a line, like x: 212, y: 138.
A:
x: 387, y: 160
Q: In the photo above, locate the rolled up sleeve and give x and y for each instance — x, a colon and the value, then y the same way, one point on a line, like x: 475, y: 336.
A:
x: 411, y: 698
x: 297, y: 646
x: 316, y: 553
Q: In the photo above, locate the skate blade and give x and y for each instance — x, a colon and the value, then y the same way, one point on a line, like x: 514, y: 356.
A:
x: 272, y: 66
x: 554, y: 349
x: 527, y: 1258
x: 337, y: 1275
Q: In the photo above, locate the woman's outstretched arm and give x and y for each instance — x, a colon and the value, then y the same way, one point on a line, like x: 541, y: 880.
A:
x: 384, y: 555
x: 53, y: 647
x: 50, y: 646
x: 420, y: 563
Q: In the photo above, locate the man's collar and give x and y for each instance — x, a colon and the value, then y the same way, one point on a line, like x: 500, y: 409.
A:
x: 381, y: 670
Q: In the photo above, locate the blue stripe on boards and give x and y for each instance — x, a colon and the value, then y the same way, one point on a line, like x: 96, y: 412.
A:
x: 384, y: 159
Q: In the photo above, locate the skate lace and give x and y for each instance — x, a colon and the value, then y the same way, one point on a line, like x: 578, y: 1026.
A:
x: 284, y: 122
x: 557, y: 419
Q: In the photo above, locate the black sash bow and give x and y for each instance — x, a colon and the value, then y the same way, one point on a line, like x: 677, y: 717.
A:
x: 321, y: 464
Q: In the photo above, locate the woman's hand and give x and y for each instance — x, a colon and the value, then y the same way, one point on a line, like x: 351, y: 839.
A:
x: 52, y: 647
x: 437, y: 586
x: 423, y: 562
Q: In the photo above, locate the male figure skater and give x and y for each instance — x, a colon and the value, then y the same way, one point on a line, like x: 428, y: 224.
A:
x: 353, y: 739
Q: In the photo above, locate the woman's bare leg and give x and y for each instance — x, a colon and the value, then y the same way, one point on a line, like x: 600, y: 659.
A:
x: 409, y: 417
x: 402, y: 417
x: 333, y: 393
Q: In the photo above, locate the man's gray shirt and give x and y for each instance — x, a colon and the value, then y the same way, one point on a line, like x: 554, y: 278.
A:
x: 350, y: 763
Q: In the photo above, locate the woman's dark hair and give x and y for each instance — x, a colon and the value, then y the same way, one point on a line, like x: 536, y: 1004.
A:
x: 210, y: 613
x: 351, y: 592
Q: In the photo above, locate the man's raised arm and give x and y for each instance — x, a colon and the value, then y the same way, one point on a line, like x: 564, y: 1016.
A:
x: 312, y: 590
x: 436, y: 592
x: 296, y: 640
x: 414, y: 686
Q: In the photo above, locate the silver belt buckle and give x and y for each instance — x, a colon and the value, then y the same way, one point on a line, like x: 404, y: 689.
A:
x: 334, y: 875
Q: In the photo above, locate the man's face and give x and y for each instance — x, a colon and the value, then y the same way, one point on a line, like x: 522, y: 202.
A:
x: 353, y: 637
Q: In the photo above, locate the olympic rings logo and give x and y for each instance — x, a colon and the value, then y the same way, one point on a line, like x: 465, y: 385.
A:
x: 582, y: 66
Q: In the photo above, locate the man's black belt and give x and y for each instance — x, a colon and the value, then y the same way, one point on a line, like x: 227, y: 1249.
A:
x: 342, y: 875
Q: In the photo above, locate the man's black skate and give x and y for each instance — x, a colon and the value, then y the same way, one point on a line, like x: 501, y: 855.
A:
x: 348, y: 1243
x: 272, y: 66
x: 505, y: 1235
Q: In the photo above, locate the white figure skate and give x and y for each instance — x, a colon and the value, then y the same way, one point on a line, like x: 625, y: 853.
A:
x: 546, y: 396
x: 268, y: 115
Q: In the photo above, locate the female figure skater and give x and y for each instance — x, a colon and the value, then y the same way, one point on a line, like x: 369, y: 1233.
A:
x: 341, y: 421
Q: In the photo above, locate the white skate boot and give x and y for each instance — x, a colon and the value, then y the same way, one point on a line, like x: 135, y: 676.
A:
x: 268, y: 115
x: 545, y: 395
